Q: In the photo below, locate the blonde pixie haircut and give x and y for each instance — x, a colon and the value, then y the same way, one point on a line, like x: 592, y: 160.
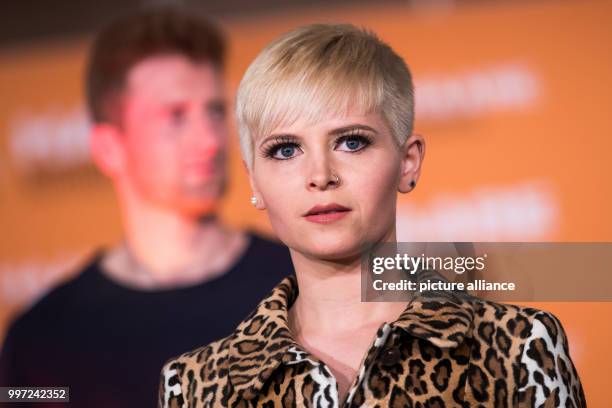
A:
x: 321, y: 71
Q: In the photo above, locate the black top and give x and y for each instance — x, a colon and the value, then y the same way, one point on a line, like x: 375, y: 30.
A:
x: 108, y: 342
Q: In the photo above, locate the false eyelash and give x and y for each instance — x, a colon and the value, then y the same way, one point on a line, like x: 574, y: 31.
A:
x: 284, y: 140
x: 268, y: 151
x: 356, y: 134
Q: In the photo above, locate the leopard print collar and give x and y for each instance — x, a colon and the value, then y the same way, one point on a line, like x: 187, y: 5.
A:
x: 443, y: 319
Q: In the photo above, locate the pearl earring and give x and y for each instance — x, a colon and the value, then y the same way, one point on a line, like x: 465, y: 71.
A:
x: 254, y: 200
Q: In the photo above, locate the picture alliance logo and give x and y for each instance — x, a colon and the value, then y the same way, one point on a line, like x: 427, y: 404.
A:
x: 411, y: 264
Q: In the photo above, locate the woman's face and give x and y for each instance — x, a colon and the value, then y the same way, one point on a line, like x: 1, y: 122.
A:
x: 331, y: 187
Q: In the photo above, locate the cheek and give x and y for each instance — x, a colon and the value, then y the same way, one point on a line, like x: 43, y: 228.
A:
x: 151, y: 156
x: 375, y: 187
x: 281, y: 193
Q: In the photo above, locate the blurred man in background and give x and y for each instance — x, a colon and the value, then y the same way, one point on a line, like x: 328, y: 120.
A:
x: 155, y: 93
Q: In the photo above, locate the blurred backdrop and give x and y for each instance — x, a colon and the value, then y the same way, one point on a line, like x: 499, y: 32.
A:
x: 513, y: 98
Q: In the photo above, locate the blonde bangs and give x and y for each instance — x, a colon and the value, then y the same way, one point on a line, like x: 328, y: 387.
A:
x: 315, y: 73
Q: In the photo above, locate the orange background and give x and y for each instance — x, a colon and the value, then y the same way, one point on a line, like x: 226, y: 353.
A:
x: 536, y: 164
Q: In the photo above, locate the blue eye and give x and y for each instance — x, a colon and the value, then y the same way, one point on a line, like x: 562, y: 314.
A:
x: 287, y: 151
x: 353, y: 143
x: 283, y: 151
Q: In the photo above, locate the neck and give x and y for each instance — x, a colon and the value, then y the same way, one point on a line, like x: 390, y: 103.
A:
x: 329, y: 297
x: 165, y: 248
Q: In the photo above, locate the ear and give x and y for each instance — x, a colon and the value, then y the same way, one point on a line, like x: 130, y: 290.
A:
x: 106, y: 148
x: 413, y: 153
x: 260, y: 205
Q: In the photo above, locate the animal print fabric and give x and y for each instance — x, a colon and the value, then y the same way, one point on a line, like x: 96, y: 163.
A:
x: 443, y: 351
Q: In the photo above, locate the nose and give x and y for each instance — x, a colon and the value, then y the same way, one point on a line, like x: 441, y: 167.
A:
x: 321, y: 175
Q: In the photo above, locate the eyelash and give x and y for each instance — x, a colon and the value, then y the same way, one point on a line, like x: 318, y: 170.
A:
x: 287, y: 141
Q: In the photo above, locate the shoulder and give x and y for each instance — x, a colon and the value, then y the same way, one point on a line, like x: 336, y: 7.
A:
x: 55, y: 303
x: 507, y: 326
x: 536, y: 344
x: 48, y: 317
x: 203, y: 371
x: 203, y: 375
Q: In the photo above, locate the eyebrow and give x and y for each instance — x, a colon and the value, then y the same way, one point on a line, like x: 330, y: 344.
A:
x: 173, y: 102
x: 334, y: 132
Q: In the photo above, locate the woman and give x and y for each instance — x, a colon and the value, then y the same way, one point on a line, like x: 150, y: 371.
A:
x: 325, y: 117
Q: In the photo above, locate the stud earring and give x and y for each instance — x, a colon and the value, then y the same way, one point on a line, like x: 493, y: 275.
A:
x: 412, y: 184
x: 254, y: 200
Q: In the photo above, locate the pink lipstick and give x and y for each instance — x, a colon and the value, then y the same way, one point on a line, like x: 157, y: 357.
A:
x: 325, y: 214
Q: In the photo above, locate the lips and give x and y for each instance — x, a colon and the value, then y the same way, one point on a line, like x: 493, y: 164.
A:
x: 326, y: 213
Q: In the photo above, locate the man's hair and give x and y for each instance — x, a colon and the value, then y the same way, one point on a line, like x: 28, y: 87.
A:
x: 320, y: 71
x: 132, y: 39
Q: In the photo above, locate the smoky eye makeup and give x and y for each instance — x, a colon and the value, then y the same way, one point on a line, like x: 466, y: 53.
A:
x: 354, y: 140
x: 272, y: 146
x: 349, y: 140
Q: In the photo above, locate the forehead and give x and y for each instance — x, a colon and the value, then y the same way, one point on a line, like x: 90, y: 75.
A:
x: 354, y: 118
x: 298, y: 101
x: 172, y: 76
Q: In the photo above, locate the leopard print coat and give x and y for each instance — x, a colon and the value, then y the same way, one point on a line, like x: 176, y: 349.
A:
x: 441, y: 352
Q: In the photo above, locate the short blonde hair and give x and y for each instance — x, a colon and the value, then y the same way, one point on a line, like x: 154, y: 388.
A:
x: 318, y: 71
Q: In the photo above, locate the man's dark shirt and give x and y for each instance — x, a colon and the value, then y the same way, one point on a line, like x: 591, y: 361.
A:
x: 108, y: 342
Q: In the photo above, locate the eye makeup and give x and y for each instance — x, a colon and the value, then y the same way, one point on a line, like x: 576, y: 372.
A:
x: 355, y: 140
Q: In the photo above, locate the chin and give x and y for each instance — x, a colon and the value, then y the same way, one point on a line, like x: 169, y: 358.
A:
x: 333, y: 248
x: 199, y: 200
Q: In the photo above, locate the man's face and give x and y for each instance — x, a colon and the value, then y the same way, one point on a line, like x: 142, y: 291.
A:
x: 174, y: 133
